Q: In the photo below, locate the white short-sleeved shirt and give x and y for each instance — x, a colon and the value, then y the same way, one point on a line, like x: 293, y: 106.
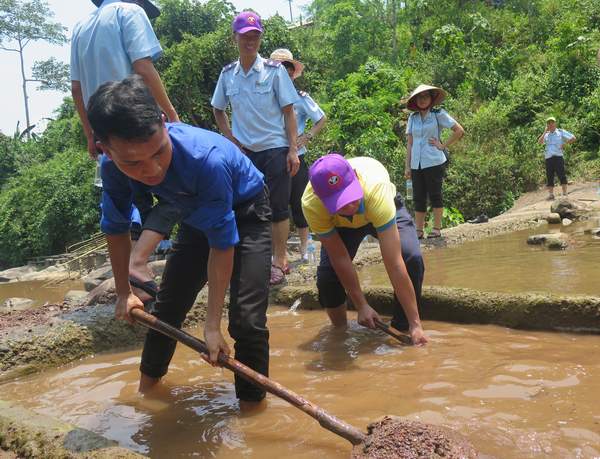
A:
x: 423, y: 154
x: 106, y: 44
x: 554, y: 141
x: 256, y: 99
x: 306, y: 109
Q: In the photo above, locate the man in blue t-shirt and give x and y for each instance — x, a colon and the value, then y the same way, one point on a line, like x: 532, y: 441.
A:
x: 555, y: 140
x: 224, y: 236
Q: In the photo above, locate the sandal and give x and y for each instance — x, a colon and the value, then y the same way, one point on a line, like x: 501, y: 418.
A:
x: 435, y: 232
x: 277, y: 275
x: 420, y: 234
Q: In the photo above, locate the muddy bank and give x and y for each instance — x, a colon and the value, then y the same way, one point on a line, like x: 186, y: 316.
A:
x: 30, y: 435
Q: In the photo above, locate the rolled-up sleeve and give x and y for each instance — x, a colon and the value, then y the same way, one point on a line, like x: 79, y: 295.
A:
x: 215, y: 216
x: 312, y: 109
x: 409, y: 125
x: 284, y: 88
x: 139, y: 38
x: 118, y: 211
x: 219, y: 99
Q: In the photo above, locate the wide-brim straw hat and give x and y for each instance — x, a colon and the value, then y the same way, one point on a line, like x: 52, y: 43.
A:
x: 438, y: 97
x: 285, y: 55
x: 151, y: 10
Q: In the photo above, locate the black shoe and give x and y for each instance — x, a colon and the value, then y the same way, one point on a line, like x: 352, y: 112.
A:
x: 479, y: 219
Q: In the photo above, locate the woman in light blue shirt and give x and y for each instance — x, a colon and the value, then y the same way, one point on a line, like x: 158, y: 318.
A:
x: 426, y: 158
x: 306, y: 109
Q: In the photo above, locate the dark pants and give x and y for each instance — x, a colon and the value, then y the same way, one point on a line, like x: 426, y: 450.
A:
x: 555, y: 165
x: 331, y: 291
x: 273, y: 164
x: 427, y: 183
x: 186, y: 273
x: 299, y: 182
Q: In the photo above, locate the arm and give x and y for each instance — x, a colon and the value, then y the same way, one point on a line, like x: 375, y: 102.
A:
x: 409, y: 144
x: 119, y: 247
x: 291, y: 130
x: 308, y: 136
x: 222, y: 121
x: 145, y: 68
x: 342, y: 264
x: 542, y: 139
x: 457, y: 133
x: 391, y: 252
x: 77, y: 94
x: 220, y: 267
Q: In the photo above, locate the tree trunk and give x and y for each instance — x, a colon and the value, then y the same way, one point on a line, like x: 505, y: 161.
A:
x: 25, y: 97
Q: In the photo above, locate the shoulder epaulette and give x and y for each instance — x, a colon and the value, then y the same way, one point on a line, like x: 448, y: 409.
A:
x: 229, y: 66
x: 302, y: 93
x: 436, y: 110
x: 272, y: 63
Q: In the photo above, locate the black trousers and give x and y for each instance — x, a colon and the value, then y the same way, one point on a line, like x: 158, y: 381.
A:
x: 428, y: 182
x: 186, y: 273
x: 555, y: 165
x: 299, y: 182
x: 273, y: 164
x: 331, y: 290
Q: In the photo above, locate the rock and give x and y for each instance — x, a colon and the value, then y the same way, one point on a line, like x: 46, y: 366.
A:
x: 568, y: 208
x: 96, y: 277
x: 593, y: 231
x: 553, y: 218
x: 16, y: 304
x: 75, y: 296
x: 567, y: 221
x: 551, y: 240
x: 15, y: 273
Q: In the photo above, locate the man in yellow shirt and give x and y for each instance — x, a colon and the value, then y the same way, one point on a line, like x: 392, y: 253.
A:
x: 345, y: 201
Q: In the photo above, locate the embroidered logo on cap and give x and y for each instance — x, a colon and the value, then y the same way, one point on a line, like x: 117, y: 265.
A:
x: 334, y: 181
x: 251, y: 20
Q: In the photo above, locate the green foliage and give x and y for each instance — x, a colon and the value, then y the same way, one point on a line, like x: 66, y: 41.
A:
x: 450, y: 217
x: 48, y: 206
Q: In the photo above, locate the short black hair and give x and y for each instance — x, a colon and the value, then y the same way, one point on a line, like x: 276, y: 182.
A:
x: 124, y: 109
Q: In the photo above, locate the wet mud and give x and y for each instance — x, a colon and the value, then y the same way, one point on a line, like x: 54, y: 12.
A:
x: 393, y: 437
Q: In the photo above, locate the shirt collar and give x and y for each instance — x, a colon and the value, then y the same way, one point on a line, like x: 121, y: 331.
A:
x: 258, y: 65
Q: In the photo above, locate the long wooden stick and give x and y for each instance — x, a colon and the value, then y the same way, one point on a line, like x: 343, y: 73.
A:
x: 326, y: 420
x: 399, y: 336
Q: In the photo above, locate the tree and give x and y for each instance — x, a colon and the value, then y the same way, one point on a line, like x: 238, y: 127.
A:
x: 22, y: 22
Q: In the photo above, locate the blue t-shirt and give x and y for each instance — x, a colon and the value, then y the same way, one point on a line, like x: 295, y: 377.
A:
x: 423, y: 154
x: 554, y: 141
x: 306, y: 109
x: 208, y: 176
x: 106, y: 44
x: 256, y: 99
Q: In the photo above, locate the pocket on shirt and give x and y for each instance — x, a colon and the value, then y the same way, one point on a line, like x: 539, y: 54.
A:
x: 233, y: 94
x: 262, y: 95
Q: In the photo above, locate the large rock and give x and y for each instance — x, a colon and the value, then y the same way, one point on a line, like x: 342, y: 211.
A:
x: 96, y: 277
x: 567, y: 221
x: 14, y: 274
x: 16, y: 304
x: 555, y: 241
x: 568, y: 208
x: 553, y: 218
x: 593, y: 231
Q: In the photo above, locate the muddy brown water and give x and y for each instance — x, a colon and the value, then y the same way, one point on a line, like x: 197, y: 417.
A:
x: 514, y: 394
x: 39, y: 291
x: 506, y: 263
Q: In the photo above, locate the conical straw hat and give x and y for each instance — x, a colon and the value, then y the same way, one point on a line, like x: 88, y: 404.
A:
x: 438, y: 98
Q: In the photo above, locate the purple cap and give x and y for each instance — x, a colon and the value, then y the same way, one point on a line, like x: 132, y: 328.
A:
x: 334, y: 182
x: 247, y: 21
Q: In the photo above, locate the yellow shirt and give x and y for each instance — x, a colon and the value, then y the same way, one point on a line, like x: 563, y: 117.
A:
x: 376, y: 208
